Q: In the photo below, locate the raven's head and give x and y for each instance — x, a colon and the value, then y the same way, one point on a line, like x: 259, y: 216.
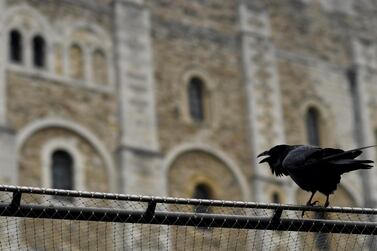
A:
x: 275, y: 157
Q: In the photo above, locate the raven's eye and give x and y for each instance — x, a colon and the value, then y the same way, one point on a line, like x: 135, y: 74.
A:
x: 276, y: 162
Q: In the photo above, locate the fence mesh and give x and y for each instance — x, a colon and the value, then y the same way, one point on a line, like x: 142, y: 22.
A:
x: 45, y: 219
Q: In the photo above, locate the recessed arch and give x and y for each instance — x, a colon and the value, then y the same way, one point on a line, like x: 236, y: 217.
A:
x: 41, y: 124
x: 103, y: 36
x: 76, y: 62
x: 14, y: 12
x: 99, y: 66
x: 229, y: 163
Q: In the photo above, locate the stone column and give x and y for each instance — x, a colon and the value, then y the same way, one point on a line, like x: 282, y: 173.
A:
x: 262, y: 86
x: 263, y: 94
x: 8, y: 167
x: 365, y: 65
x: 133, y: 56
x: 139, y: 158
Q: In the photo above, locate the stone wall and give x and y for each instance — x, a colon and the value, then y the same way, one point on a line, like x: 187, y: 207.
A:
x: 31, y: 99
x: 310, y: 31
x: 200, y: 39
x: 298, y: 55
x: 52, y: 93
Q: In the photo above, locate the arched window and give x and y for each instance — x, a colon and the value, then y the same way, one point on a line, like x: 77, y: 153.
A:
x: 313, y: 126
x: 99, y: 67
x: 62, y: 170
x: 276, y: 198
x: 196, y: 99
x: 15, y: 47
x: 202, y: 191
x: 39, y: 52
x: 76, y: 57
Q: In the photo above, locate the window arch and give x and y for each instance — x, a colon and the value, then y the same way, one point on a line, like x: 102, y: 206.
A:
x: 76, y: 57
x: 62, y: 170
x: 15, y: 47
x: 202, y: 191
x: 99, y: 67
x: 196, y: 91
x: 313, y: 126
x: 39, y: 51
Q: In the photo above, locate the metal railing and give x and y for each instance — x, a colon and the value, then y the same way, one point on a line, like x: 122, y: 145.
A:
x: 74, y: 206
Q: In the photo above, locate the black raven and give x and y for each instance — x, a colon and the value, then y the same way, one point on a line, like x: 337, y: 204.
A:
x: 314, y: 168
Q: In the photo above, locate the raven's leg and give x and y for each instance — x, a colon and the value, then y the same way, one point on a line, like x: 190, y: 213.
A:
x: 327, y: 203
x: 309, y: 203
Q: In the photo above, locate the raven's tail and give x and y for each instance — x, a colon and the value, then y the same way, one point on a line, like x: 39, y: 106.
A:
x: 350, y: 154
x: 348, y: 165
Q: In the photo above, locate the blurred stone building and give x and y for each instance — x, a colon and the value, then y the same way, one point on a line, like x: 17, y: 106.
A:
x: 177, y: 97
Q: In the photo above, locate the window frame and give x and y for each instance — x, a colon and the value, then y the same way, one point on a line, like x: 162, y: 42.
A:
x: 70, y: 146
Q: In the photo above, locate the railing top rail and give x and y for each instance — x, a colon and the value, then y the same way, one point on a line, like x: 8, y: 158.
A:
x: 181, y: 201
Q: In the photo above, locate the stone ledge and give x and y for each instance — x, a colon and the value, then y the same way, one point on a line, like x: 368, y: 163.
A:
x: 60, y: 79
x: 97, y: 7
x: 139, y: 150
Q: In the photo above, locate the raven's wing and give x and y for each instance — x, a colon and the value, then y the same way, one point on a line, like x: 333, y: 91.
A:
x: 341, y: 161
x: 299, y: 157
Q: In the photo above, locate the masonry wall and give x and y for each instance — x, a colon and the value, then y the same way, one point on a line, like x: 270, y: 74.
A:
x: 309, y: 42
x: 200, y: 39
x: 52, y: 93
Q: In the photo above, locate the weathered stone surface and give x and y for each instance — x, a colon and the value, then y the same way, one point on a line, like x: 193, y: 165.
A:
x: 35, y: 98
x: 190, y: 38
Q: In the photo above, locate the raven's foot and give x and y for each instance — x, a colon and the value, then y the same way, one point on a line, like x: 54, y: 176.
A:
x: 312, y: 203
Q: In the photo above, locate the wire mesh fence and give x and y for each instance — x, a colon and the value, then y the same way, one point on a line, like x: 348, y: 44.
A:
x: 46, y: 219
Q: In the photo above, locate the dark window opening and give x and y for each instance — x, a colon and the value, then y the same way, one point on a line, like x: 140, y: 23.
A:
x: 312, y: 125
x: 39, y: 52
x: 15, y: 47
x: 196, y: 96
x: 62, y: 171
x: 276, y: 198
x: 202, y: 191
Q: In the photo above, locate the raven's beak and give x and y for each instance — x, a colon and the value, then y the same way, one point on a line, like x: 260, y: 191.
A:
x: 265, y: 153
